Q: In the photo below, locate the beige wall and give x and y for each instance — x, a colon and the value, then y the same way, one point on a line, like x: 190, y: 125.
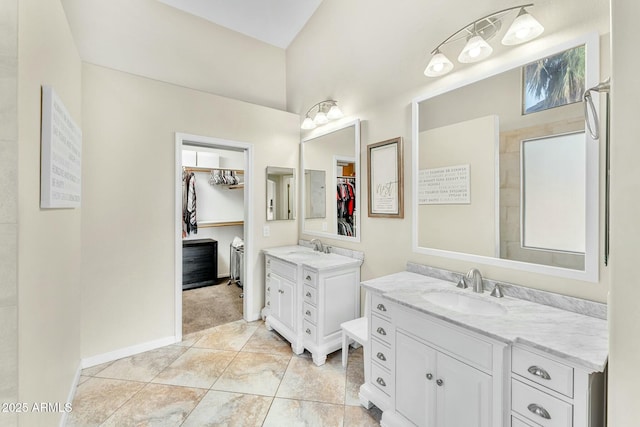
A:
x: 624, y: 314
x: 149, y: 38
x: 128, y: 216
x: 48, y: 240
x: 8, y: 207
x: 374, y: 67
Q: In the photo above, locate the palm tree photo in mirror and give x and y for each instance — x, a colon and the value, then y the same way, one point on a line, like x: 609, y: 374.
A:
x: 554, y: 81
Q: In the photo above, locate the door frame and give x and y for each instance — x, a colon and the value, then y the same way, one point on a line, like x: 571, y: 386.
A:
x: 210, y: 142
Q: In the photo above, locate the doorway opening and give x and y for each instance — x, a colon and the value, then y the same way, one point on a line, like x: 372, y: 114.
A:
x: 214, y: 238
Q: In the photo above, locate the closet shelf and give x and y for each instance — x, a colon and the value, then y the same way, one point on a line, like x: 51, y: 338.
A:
x: 199, y: 169
x: 207, y: 224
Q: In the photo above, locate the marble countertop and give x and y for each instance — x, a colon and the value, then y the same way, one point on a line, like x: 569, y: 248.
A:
x: 301, y: 255
x: 579, y: 339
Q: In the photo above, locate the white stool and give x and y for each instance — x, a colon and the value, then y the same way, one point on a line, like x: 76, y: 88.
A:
x: 356, y: 329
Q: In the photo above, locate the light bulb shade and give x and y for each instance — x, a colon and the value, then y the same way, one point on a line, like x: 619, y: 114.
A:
x: 524, y: 28
x: 320, y: 119
x: 438, y: 66
x: 308, y: 124
x: 335, y: 113
x: 475, y: 50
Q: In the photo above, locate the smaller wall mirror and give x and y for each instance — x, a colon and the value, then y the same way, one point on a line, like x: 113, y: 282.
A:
x: 281, y: 193
x: 331, y: 183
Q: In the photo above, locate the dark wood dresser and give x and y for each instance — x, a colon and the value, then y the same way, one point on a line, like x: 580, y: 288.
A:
x: 199, y: 263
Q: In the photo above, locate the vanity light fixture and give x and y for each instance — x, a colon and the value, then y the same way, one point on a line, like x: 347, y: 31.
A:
x: 523, y: 29
x: 327, y: 110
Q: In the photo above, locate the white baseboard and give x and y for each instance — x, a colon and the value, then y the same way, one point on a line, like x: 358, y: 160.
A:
x: 253, y: 317
x: 72, y: 394
x: 88, y: 362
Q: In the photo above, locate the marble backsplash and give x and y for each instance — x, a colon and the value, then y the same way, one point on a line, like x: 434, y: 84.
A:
x: 576, y: 305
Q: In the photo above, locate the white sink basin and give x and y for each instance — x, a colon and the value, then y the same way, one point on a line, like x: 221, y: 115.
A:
x: 464, y: 303
x: 302, y: 254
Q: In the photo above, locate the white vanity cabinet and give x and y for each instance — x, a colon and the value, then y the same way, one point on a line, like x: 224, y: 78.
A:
x: 550, y: 392
x: 433, y: 374
x: 307, y: 304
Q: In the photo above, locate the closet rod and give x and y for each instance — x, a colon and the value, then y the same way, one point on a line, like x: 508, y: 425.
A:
x: 200, y: 169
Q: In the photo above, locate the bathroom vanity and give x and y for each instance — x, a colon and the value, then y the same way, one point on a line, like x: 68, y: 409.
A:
x: 308, y: 294
x: 442, y: 356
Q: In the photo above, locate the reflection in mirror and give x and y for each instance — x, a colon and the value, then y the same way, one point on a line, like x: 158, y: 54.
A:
x: 495, y: 185
x: 281, y: 190
x: 331, y: 183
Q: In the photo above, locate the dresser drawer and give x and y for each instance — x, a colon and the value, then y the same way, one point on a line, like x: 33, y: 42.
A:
x: 517, y: 422
x: 381, y: 379
x: 380, y: 306
x: 382, y: 355
x: 309, y: 330
x: 310, y: 313
x: 310, y: 278
x: 539, y: 407
x: 539, y: 369
x: 382, y: 329
x: 310, y: 294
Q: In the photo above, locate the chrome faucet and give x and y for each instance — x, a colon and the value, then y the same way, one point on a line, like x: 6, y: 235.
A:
x: 317, y: 245
x: 475, y: 278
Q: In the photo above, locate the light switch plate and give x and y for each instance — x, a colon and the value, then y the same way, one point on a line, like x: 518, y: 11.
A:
x: 266, y: 231
x: 324, y: 226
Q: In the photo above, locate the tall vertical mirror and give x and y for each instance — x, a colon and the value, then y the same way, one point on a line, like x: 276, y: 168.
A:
x: 281, y: 193
x: 506, y: 179
x: 331, y: 182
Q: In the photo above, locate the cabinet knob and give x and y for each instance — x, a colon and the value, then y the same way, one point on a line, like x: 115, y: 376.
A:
x: 381, y: 307
x: 268, y: 274
x: 269, y: 289
x: 308, y: 278
x: 539, y: 372
x: 439, y: 382
x: 268, y: 303
x: 308, y: 313
x: 281, y: 291
x: 308, y: 294
x: 429, y: 377
x: 539, y: 411
x: 381, y: 382
x: 308, y: 331
x: 381, y: 331
x: 381, y: 356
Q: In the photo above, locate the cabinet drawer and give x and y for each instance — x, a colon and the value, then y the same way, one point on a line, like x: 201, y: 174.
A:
x: 382, y: 329
x: 309, y: 330
x: 540, y: 407
x: 517, y: 422
x: 543, y: 371
x: 310, y: 313
x: 310, y: 278
x: 380, y: 306
x: 381, y: 379
x: 281, y: 268
x: 310, y: 294
x: 382, y: 355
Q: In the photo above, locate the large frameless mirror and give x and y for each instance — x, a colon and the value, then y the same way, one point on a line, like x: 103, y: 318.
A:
x: 331, y: 187
x: 506, y: 179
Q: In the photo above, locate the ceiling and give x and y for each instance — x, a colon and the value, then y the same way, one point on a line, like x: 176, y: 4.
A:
x: 276, y: 22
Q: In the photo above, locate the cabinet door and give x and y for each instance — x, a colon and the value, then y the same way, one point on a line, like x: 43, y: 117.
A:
x: 415, y: 381
x: 463, y: 394
x: 286, y: 302
x: 274, y: 296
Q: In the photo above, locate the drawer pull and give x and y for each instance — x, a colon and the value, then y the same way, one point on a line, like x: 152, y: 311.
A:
x: 439, y: 382
x: 539, y: 411
x: 268, y: 274
x: 381, y: 331
x: 539, y: 372
x: 308, y: 294
x: 308, y: 278
x: 268, y: 303
x: 308, y: 313
x: 429, y: 376
x: 269, y: 289
x: 281, y: 291
x: 381, y: 307
x: 381, y: 382
x: 308, y: 331
x: 381, y: 357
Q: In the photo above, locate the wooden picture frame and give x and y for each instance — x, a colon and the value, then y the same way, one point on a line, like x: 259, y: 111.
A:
x: 385, y: 179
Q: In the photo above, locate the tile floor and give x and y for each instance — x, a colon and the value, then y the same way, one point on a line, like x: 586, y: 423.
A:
x: 238, y: 374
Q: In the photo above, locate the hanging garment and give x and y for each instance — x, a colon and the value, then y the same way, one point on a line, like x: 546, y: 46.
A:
x: 190, y: 224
